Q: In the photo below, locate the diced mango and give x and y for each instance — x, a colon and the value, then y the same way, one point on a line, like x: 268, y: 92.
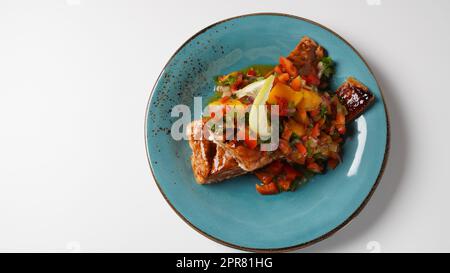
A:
x: 296, y: 83
x: 301, y: 116
x: 297, y: 128
x: 311, y: 101
x: 281, y: 90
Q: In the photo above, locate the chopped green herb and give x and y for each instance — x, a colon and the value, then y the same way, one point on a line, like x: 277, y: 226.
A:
x: 319, y: 157
x: 327, y: 66
x: 323, y: 111
x: 228, y: 81
x: 294, y: 137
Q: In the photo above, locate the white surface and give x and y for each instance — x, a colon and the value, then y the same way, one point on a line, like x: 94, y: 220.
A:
x: 75, y: 76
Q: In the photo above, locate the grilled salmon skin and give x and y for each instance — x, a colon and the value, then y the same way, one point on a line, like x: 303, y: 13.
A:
x: 249, y: 159
x: 210, y: 163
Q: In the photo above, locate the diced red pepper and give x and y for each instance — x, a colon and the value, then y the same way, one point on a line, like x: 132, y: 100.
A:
x: 283, y: 78
x: 267, y: 189
x: 274, y: 168
x: 264, y: 177
x: 297, y: 158
x: 285, y: 147
x: 314, y: 113
x: 224, y: 99
x: 251, y: 72
x: 315, y: 132
x: 283, y: 106
x: 278, y: 70
x: 311, y: 80
x: 237, y: 83
x: 332, y: 163
x: 341, y: 129
x: 251, y: 144
x: 287, y: 133
x: 301, y: 148
x: 313, y: 166
x: 284, y: 184
x: 290, y: 172
x: 296, y: 83
x: 288, y: 66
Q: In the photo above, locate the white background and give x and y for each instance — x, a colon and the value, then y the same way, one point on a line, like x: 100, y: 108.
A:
x: 75, y: 76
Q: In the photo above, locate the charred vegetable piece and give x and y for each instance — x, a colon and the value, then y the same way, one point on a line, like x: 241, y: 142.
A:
x: 355, y: 96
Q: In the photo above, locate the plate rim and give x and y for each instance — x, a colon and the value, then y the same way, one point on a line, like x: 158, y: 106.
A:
x: 310, y: 242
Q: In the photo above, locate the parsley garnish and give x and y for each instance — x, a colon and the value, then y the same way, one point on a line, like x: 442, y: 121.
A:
x: 328, y: 66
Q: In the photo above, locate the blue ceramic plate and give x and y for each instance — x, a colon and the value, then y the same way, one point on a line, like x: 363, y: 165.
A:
x: 232, y: 212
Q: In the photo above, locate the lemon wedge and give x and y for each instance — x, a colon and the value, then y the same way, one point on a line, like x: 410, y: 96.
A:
x: 258, y: 122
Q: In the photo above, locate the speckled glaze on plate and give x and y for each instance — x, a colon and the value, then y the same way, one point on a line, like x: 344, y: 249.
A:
x: 232, y: 212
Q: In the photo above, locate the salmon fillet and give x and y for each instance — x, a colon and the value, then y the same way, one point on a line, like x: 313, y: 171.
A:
x: 210, y: 163
x: 249, y: 159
